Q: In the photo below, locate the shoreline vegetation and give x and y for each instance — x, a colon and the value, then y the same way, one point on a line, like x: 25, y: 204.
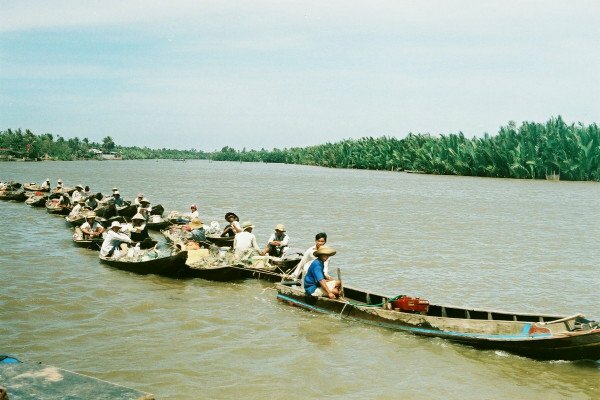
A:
x: 529, y: 151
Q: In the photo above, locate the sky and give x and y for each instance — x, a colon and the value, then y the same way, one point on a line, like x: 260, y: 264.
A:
x: 185, y: 74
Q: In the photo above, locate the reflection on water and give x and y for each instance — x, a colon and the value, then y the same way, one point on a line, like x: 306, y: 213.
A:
x: 513, y: 245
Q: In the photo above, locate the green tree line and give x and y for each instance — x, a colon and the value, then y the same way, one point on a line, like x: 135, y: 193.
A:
x: 531, y: 150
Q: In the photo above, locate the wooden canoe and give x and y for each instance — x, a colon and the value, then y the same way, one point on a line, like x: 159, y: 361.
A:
x: 544, y: 337
x: 34, y: 187
x: 53, y: 206
x: 37, y: 199
x: 92, y: 244
x: 172, y: 265
x: 13, y: 195
x: 157, y: 223
x: 226, y: 241
x: 225, y: 268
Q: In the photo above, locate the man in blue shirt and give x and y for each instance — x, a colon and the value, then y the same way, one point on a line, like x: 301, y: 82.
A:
x: 315, y: 282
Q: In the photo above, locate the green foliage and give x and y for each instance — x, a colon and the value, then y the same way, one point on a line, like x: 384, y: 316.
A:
x: 530, y: 151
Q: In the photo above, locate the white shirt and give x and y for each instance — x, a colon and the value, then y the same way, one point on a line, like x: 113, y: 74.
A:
x: 113, y: 240
x: 76, y: 196
x: 284, y: 241
x: 86, y: 225
x: 194, y: 214
x: 75, y: 211
x: 244, y: 241
x: 305, y: 262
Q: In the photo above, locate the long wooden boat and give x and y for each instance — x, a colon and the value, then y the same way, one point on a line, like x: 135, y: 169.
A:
x: 34, y: 187
x: 544, y: 337
x: 53, y: 206
x: 171, y: 265
x: 76, y: 220
x: 14, y: 195
x: 217, y: 240
x: 37, y: 199
x: 92, y: 244
x: 157, y: 223
x: 218, y: 268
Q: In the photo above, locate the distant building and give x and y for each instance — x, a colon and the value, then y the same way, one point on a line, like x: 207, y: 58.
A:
x: 106, y: 156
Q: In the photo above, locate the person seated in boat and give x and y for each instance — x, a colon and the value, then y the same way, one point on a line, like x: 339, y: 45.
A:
x: 308, y: 257
x: 59, y: 185
x: 234, y: 226
x: 144, y: 208
x: 91, y: 228
x: 138, y: 199
x: 117, y: 200
x: 196, y: 229
x: 87, y: 192
x: 111, y: 246
x: 77, y: 208
x: 245, y: 241
x: 277, y: 242
x: 45, y: 185
x: 64, y: 200
x: 91, y: 202
x: 137, y: 229
x: 315, y: 282
x: 77, y: 193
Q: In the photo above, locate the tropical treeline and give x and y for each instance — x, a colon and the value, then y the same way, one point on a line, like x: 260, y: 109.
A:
x: 531, y: 150
x: 18, y: 144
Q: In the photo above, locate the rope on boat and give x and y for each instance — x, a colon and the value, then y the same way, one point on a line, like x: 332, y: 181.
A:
x: 373, y: 305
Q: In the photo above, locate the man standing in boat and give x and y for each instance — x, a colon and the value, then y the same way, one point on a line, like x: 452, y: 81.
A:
x: 315, y: 282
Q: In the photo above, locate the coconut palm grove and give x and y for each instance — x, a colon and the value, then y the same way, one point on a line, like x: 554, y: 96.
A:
x: 529, y: 151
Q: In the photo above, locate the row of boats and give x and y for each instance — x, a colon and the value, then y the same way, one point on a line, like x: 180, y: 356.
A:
x: 538, y: 336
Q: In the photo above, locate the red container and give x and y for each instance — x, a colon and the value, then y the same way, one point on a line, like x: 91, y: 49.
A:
x: 411, y: 304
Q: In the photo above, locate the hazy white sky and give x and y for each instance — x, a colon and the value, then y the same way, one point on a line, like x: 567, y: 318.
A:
x: 206, y: 74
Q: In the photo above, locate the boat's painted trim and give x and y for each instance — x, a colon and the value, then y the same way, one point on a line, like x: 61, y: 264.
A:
x: 440, y: 333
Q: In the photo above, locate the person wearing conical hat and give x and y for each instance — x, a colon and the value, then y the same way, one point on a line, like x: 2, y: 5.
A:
x: 144, y: 207
x: 91, y: 228
x: 196, y: 229
x: 116, y: 199
x: 77, y: 208
x: 137, y: 229
x: 245, y: 241
x: 138, y: 199
x: 315, y: 281
x: 45, y: 185
x: 111, y: 246
x: 78, y: 193
x: 277, y: 242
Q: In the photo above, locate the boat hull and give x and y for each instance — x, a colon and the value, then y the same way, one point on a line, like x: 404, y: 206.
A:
x: 171, y: 266
x: 529, y: 339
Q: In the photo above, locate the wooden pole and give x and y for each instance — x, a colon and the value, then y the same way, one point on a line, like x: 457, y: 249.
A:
x: 339, y: 276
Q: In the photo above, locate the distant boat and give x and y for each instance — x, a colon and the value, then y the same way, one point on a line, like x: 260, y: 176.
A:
x: 553, y: 177
x: 180, y: 159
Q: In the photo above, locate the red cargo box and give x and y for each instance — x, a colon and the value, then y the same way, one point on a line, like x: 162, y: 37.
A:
x: 413, y: 304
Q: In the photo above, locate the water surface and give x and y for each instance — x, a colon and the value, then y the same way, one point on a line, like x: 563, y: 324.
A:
x: 515, y: 245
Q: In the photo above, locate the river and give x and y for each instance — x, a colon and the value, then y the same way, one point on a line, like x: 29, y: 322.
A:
x: 515, y: 245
